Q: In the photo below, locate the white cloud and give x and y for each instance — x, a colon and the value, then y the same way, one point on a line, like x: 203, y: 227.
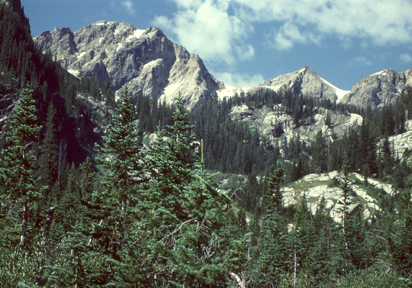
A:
x: 287, y: 35
x: 220, y: 30
x: 206, y: 28
x: 128, y: 5
x: 239, y: 79
x: 360, y: 61
x: 405, y: 58
x: 381, y: 22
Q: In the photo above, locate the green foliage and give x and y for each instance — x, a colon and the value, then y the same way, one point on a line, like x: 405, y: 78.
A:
x: 17, y: 170
x: 378, y: 277
x: 185, y: 210
x: 157, y: 218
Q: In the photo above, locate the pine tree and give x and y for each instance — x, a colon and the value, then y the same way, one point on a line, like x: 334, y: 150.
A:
x: 400, y: 244
x: 353, y: 244
x: 120, y: 153
x: 49, y: 152
x: 17, y: 181
x: 319, y: 157
x: 181, y: 212
x: 98, y: 249
x: 275, y: 198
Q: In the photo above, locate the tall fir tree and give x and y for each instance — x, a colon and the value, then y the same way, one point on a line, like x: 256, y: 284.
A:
x: 17, y: 170
x: 183, y: 214
x: 49, y: 152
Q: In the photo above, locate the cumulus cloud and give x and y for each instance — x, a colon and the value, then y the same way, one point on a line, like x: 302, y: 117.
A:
x: 222, y: 31
x: 405, y: 58
x: 128, y: 5
x: 239, y: 79
x: 207, y: 28
x: 380, y: 22
x: 287, y: 35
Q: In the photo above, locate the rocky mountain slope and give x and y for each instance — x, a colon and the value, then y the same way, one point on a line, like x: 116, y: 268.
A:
x: 379, y: 88
x: 316, y: 186
x: 375, y: 90
x: 150, y: 63
x: 273, y: 123
x: 304, y: 80
x: 146, y: 60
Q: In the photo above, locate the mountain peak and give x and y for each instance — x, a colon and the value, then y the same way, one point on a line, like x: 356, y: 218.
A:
x: 146, y: 60
x: 306, y: 81
x: 379, y: 88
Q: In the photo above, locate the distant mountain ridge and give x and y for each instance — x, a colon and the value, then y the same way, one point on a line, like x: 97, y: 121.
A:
x: 148, y: 62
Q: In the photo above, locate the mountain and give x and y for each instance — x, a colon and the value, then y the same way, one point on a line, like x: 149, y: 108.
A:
x: 379, y: 88
x: 146, y: 60
x: 304, y: 80
x: 374, y: 90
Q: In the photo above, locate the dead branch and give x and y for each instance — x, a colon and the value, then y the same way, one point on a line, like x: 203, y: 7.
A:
x: 379, y: 237
x: 177, y: 229
x: 240, y: 281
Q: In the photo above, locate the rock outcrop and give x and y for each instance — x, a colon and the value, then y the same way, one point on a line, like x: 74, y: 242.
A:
x: 9, y: 96
x: 146, y: 60
x: 273, y: 122
x: 375, y: 90
x: 307, y: 82
x: 400, y: 143
x: 379, y: 88
x: 316, y: 186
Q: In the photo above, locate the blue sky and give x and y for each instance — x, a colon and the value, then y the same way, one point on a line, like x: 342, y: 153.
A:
x: 245, y: 42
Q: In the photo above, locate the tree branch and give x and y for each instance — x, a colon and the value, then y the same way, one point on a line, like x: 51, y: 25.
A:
x: 378, y: 236
x: 178, y: 228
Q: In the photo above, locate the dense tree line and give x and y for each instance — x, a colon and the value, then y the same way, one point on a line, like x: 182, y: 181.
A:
x: 154, y: 218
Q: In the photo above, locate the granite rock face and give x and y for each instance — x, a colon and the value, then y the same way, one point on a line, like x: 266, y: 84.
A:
x: 9, y: 97
x: 379, y: 88
x: 304, y: 81
x: 315, y: 186
x: 273, y: 123
x: 146, y: 60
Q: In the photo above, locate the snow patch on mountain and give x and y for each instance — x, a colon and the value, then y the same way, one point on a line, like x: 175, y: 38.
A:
x: 136, y: 34
x: 169, y: 90
x: 339, y: 92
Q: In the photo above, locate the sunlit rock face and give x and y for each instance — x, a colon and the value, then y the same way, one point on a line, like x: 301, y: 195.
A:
x: 379, y: 89
x: 145, y: 60
x: 326, y: 185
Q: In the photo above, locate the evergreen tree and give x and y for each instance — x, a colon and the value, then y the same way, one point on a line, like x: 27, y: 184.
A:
x: 121, y: 153
x: 181, y: 213
x: 353, y: 246
x: 319, y: 157
x: 17, y: 181
x: 49, y: 152
x: 400, y: 240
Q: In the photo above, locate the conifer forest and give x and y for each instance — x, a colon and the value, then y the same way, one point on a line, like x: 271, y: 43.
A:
x: 131, y: 194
